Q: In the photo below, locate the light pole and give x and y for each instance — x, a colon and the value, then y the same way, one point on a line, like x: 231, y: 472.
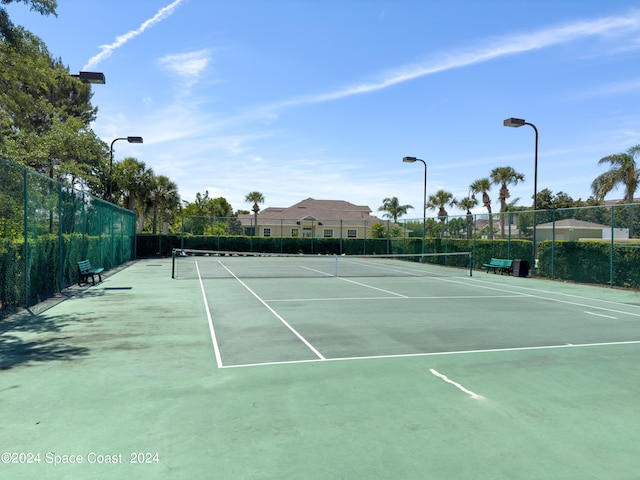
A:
x: 128, y: 139
x: 424, y: 199
x: 518, y: 122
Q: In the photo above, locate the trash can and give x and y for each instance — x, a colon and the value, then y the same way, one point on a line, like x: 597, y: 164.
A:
x: 520, y: 268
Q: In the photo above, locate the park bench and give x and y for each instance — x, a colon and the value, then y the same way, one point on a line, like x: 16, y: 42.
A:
x: 85, y: 270
x: 499, y: 264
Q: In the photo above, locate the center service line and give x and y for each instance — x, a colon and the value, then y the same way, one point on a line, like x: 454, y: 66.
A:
x: 456, y: 384
x: 286, y: 324
x: 358, y: 283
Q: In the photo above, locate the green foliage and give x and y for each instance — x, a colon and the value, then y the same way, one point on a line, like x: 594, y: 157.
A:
x: 63, y: 226
x: 392, y: 208
x: 589, y: 262
x: 378, y: 230
x: 45, y: 114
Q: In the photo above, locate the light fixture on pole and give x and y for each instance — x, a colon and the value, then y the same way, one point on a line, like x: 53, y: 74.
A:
x: 96, y: 78
x: 424, y: 199
x: 518, y: 122
x: 128, y: 139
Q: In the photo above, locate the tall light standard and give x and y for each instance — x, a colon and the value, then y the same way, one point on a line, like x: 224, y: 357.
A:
x: 128, y: 139
x: 518, y: 122
x: 424, y: 199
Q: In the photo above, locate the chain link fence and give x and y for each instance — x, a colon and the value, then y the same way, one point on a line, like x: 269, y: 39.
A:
x: 45, y: 228
x: 597, y: 245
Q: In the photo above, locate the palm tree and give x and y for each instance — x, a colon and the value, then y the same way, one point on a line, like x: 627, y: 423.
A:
x: 483, y: 185
x: 624, y: 170
x: 504, y: 176
x: 133, y: 183
x: 165, y: 201
x: 256, y: 198
x: 393, y: 208
x: 468, y: 203
x: 440, y: 200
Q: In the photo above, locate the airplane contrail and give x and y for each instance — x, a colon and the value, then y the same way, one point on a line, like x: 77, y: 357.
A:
x: 107, y: 50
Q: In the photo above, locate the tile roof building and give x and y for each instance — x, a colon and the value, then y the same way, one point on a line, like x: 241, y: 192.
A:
x: 312, y: 218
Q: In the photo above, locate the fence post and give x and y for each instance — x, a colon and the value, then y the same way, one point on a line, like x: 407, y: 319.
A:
x: 60, y: 241
x: 25, y: 247
x: 553, y: 244
x: 509, y: 220
x: 388, y: 237
x: 182, y: 233
x: 365, y: 238
x: 611, y: 251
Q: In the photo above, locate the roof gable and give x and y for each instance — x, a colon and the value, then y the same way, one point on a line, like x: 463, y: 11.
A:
x: 320, y: 209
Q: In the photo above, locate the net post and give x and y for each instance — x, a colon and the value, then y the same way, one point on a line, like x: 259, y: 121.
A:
x: 173, y: 263
x: 471, y: 264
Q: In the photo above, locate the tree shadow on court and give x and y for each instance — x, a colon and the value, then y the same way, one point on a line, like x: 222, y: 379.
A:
x: 28, y: 338
x: 17, y: 352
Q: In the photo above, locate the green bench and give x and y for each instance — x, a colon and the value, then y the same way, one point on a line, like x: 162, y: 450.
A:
x: 85, y: 270
x: 499, y: 264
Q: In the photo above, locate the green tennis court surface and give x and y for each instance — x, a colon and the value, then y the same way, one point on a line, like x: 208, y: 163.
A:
x: 247, y: 376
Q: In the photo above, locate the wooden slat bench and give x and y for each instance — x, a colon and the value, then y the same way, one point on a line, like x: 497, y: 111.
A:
x: 499, y: 264
x: 85, y: 270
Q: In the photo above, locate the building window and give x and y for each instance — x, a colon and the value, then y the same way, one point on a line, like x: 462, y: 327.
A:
x: 295, y: 232
x: 328, y: 232
x: 266, y: 232
x: 352, y: 233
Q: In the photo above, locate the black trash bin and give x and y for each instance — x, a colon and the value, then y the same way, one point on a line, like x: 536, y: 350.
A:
x: 520, y: 268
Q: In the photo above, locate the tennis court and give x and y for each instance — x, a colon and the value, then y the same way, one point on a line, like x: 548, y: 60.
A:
x: 245, y: 368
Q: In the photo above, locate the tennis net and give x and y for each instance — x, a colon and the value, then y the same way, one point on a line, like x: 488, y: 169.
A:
x: 187, y: 263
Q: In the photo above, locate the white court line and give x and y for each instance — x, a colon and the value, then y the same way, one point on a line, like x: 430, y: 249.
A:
x: 358, y: 283
x: 434, y: 354
x: 447, y: 297
x: 456, y: 384
x: 571, y: 295
x: 399, y: 295
x: 601, y: 315
x: 541, y: 297
x: 211, y: 330
x: 285, y: 323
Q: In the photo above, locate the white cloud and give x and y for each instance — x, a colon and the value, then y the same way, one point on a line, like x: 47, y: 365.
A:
x: 189, y: 65
x: 619, y: 88
x: 509, y: 45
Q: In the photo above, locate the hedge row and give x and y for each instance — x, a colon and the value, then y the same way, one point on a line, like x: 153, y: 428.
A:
x: 590, y: 262
x: 483, y: 250
x: 27, y: 278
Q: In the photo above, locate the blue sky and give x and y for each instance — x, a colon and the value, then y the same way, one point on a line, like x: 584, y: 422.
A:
x: 323, y: 99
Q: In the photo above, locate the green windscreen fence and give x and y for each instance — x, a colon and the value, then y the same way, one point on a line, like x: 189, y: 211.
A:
x: 45, y: 228
x: 596, y: 244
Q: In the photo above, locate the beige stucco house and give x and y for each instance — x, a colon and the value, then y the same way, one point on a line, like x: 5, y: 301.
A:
x: 573, y: 230
x: 312, y: 218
